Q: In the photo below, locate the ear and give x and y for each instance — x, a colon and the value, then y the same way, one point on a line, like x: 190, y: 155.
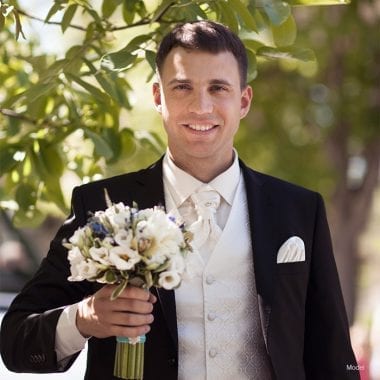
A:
x: 245, y: 101
x: 157, y: 96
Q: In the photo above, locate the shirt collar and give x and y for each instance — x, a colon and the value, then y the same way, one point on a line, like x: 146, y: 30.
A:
x: 182, y: 184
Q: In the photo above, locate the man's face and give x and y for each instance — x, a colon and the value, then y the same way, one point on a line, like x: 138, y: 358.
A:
x: 201, y: 102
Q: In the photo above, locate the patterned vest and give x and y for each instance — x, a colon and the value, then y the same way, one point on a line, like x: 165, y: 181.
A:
x: 219, y: 329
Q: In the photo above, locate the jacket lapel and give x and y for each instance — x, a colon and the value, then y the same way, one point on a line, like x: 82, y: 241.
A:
x: 149, y: 193
x: 262, y: 220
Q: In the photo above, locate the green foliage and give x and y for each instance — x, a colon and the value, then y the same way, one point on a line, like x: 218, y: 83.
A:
x: 67, y: 116
x: 306, y: 129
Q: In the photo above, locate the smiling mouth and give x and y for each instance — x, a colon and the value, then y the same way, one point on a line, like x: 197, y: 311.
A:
x: 200, y: 127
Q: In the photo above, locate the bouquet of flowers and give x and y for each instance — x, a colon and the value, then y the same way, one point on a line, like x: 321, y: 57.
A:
x: 123, y: 245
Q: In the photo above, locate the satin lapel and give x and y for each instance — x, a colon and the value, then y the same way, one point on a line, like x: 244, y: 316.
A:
x: 263, y: 220
x: 150, y: 192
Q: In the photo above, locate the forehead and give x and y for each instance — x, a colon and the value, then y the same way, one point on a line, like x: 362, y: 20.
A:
x: 197, y: 65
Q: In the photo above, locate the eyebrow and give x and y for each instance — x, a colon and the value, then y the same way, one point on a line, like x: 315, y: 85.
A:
x: 187, y: 81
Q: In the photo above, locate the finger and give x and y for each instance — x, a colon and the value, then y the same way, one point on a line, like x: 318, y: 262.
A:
x: 130, y: 332
x: 131, y: 319
x: 131, y: 305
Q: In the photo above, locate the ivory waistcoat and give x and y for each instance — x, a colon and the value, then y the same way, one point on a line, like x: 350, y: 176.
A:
x: 219, y: 329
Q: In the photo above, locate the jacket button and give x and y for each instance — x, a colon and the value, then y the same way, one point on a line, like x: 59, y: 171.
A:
x: 172, y: 362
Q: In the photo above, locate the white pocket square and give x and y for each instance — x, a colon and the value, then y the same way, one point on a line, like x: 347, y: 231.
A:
x: 293, y: 250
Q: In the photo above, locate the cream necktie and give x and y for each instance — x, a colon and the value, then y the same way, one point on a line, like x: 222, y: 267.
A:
x: 205, y: 228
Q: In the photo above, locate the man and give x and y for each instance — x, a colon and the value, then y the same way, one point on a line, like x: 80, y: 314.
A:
x: 268, y: 304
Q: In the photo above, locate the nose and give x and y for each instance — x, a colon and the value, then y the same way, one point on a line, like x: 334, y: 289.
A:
x: 201, y: 103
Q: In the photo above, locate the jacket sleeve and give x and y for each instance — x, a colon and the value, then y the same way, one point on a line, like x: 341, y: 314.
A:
x: 27, y: 340
x: 327, y: 352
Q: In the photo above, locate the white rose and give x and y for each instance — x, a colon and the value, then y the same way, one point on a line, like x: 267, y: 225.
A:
x: 169, y: 280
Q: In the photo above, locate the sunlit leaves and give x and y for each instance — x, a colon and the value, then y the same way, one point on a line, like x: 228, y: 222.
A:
x: 8, y: 10
x: 69, y: 114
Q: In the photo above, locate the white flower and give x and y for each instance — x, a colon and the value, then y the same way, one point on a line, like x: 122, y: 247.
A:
x: 100, y: 255
x: 122, y: 242
x: 123, y: 259
x: 124, y: 238
x: 169, y: 280
x: 119, y: 215
x: 81, y: 269
x: 164, y: 235
x: 177, y: 263
x: 78, y: 237
x: 75, y: 256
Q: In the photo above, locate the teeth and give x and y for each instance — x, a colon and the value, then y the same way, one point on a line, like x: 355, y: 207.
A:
x: 200, y: 127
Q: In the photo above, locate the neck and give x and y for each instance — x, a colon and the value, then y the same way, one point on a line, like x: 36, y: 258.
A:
x: 203, y: 169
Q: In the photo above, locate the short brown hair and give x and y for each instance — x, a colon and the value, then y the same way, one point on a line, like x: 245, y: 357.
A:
x: 205, y: 36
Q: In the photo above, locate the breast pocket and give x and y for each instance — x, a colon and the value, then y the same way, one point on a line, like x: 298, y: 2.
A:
x: 292, y: 268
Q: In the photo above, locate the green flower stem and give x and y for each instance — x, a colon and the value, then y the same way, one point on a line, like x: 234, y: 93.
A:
x: 129, y: 360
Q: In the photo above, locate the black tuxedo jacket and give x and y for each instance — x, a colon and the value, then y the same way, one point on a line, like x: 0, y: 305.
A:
x: 301, y: 305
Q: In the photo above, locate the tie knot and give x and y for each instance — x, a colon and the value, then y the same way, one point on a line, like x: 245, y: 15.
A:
x: 206, y: 201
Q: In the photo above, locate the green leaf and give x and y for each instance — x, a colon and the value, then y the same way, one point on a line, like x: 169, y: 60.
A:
x: 52, y: 160
x: 277, y: 11
x: 318, y: 2
x: 53, y: 10
x: 118, y: 61
x: 114, y: 87
x: 38, y: 90
x: 137, y: 42
x: 7, y: 161
x: 2, y: 21
x: 151, y: 58
x: 252, y: 66
x: 244, y: 13
x: 109, y: 7
x: 131, y: 8
x: 113, y: 139
x: 68, y: 16
x: 29, y: 219
x: 286, y: 33
x: 102, y: 147
x: 54, y: 192
x: 98, y: 94
x: 18, y: 25
x: 25, y: 196
x: 227, y: 17
x: 119, y: 289
x: 299, y: 54
x: 161, y: 9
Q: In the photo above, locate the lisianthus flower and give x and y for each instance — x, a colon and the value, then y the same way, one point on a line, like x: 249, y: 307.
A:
x: 169, y: 280
x: 123, y: 259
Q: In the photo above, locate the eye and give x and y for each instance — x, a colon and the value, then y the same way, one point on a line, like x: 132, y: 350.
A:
x: 182, y: 87
x: 218, y: 88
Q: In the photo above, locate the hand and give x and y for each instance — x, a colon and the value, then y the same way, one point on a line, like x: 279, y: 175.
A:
x: 129, y: 315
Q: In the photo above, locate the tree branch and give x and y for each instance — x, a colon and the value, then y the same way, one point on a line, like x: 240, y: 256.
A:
x: 144, y: 21
x: 19, y: 116
x: 21, y: 12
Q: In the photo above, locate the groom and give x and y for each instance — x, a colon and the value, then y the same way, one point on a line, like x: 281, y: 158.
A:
x: 268, y: 304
